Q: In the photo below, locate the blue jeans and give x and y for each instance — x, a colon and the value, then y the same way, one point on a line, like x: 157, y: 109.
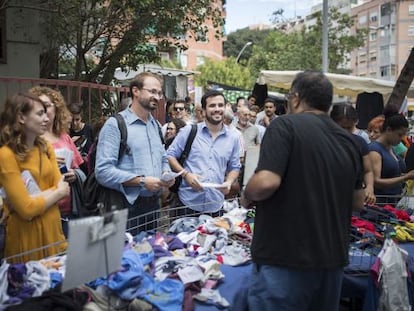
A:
x: 275, y: 288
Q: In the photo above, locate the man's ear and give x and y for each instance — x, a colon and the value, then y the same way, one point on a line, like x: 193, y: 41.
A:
x: 295, y: 102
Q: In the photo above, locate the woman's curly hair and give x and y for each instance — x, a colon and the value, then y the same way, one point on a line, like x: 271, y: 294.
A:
x: 62, y: 114
x: 12, y: 132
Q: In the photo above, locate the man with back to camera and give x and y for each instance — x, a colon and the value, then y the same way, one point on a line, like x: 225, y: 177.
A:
x: 308, y: 179
x: 213, y: 158
x: 137, y: 174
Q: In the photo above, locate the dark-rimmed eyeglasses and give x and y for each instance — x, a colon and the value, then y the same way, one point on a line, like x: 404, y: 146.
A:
x: 179, y: 108
x: 170, y: 128
x: 154, y: 92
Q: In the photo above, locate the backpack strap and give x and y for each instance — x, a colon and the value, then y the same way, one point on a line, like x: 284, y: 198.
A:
x: 160, y: 132
x: 123, y: 146
x: 188, y: 144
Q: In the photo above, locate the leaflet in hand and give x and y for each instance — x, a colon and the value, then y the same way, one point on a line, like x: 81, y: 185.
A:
x: 166, y: 177
x: 65, y: 154
x: 213, y: 185
x: 29, y: 182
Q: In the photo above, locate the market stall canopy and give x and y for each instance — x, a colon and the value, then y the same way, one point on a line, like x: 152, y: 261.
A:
x: 163, y: 71
x: 344, y: 85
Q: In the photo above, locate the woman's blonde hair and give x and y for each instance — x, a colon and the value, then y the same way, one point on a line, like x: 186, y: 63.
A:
x: 62, y: 114
x: 12, y: 132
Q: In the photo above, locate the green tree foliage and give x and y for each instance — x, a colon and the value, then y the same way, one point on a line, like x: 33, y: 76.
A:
x: 303, y: 49
x: 123, y: 33
x: 226, y: 72
x: 236, y: 40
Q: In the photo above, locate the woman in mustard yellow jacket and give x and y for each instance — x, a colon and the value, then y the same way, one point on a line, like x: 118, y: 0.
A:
x: 31, y: 181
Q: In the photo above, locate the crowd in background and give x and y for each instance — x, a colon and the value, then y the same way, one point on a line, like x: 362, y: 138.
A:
x: 45, y: 143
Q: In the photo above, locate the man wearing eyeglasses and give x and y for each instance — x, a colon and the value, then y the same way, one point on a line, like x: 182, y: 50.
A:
x: 308, y: 179
x: 137, y: 174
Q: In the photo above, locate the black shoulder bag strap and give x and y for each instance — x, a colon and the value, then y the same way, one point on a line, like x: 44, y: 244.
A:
x: 160, y: 133
x: 123, y: 146
x: 188, y: 144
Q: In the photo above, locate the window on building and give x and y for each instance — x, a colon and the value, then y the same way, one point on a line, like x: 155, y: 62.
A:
x: 385, y: 71
x: 373, y: 17
x: 200, y: 60
x: 373, y: 36
x: 373, y: 56
x: 184, y: 60
x: 362, y: 20
x: 164, y: 55
x: 411, y: 30
x: 201, y: 37
x: 411, y: 9
x: 3, y: 49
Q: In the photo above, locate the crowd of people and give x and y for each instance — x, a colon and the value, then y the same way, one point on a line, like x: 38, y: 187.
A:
x: 314, y: 167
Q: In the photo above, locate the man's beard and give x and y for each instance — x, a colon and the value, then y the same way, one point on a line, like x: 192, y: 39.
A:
x: 146, y: 104
x: 210, y: 119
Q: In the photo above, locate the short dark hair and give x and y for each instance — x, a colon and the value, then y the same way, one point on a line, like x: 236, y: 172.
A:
x: 393, y: 119
x: 269, y: 100
x: 314, y: 88
x: 140, y: 79
x: 75, y: 108
x: 238, y: 98
x: 344, y: 111
x: 209, y: 94
x: 251, y: 96
x: 179, y: 123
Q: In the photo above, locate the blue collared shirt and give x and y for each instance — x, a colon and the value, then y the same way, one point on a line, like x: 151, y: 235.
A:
x: 210, y: 159
x: 147, y: 157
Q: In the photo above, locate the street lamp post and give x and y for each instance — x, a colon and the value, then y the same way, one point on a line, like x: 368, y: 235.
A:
x: 242, y: 50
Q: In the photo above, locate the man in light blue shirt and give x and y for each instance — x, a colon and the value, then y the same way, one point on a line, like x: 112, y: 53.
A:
x: 138, y: 173
x: 213, y: 163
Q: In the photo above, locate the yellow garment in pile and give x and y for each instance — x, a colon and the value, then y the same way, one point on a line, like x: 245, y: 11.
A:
x: 29, y: 224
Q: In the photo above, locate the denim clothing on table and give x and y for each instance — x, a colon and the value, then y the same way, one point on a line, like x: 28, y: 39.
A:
x: 147, y: 156
x: 210, y: 159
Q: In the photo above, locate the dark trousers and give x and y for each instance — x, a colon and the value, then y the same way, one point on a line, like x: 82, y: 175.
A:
x: 143, y: 214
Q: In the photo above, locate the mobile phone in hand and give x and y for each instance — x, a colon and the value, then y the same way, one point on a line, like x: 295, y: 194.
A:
x: 63, y: 169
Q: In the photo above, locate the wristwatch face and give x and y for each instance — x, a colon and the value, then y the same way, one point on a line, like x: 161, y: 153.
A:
x: 142, y: 181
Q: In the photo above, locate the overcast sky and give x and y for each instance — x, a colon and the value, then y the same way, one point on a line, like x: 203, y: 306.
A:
x: 242, y: 13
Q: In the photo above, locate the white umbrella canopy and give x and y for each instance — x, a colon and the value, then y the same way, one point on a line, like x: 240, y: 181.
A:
x: 344, y: 85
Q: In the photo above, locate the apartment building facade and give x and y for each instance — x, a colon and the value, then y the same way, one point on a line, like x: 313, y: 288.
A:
x: 390, y: 25
x: 200, y: 46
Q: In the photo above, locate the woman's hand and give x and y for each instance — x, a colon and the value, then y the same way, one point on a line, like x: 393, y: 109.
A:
x: 63, y: 188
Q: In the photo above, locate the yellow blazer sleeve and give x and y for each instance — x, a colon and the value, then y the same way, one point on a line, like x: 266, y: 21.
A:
x: 18, y: 197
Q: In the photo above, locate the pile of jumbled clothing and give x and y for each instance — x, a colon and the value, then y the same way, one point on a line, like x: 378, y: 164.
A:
x: 168, y: 271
